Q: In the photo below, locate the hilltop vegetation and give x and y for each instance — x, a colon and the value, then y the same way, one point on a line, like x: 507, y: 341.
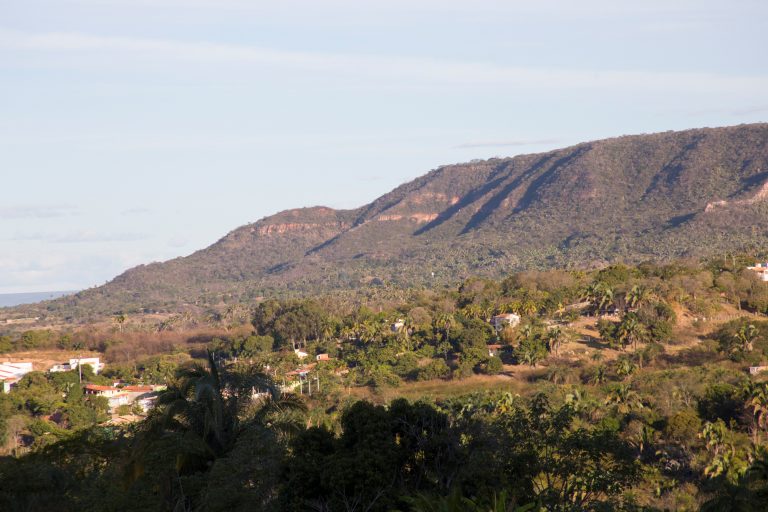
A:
x: 625, y: 199
x: 623, y: 388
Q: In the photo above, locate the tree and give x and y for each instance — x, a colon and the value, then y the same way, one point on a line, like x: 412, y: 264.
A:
x: 571, y: 468
x: 746, y: 336
x: 625, y: 367
x: 636, y: 296
x: 555, y: 338
x: 120, y: 320
x: 757, y: 401
x: 493, y: 366
x: 444, y: 323
x: 531, y: 351
x: 529, y: 307
x: 206, y: 410
x: 599, y: 375
x: 624, y: 399
x: 631, y: 330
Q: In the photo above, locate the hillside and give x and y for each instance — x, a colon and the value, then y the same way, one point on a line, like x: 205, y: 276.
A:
x: 675, y: 194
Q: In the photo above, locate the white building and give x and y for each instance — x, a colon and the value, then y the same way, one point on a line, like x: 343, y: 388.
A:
x: 398, y: 325
x: 127, y: 395
x: 10, y: 373
x: 93, y: 362
x: 761, y: 269
x: 499, y: 322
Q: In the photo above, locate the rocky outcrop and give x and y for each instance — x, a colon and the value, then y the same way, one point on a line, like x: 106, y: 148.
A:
x: 757, y: 197
x: 293, y: 227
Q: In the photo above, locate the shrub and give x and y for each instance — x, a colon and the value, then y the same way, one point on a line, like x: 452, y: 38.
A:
x: 683, y: 427
x: 436, y: 369
x: 493, y: 366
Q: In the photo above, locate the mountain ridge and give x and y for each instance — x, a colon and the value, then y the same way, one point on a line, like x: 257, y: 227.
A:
x: 633, y: 197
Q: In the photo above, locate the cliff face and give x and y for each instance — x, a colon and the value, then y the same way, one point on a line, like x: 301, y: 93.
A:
x: 663, y: 195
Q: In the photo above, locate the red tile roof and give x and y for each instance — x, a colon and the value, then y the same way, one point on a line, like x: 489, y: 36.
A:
x: 96, y: 387
x: 138, y: 389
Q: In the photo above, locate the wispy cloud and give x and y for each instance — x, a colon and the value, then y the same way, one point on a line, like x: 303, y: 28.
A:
x: 80, y: 237
x: 136, y: 211
x: 411, y: 71
x: 754, y: 109
x: 507, y: 143
x: 36, y: 211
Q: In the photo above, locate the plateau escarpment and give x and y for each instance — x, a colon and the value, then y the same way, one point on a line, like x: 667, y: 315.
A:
x: 665, y: 195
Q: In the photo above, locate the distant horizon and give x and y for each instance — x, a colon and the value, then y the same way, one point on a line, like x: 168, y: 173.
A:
x: 8, y: 300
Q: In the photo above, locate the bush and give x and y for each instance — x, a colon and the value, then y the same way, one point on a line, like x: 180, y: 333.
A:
x: 384, y: 377
x: 721, y: 401
x: 463, y: 369
x: 683, y: 427
x: 493, y: 366
x: 436, y: 369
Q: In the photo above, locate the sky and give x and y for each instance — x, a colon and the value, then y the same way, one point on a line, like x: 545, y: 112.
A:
x: 134, y: 131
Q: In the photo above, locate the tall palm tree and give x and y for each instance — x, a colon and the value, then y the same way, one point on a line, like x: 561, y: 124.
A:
x: 444, y: 323
x: 369, y: 331
x: 758, y: 403
x: 631, y: 330
x: 514, y: 306
x: 120, y: 320
x: 591, y: 292
x: 210, y: 408
x: 636, y: 296
x: 599, y: 295
x: 605, y: 298
x: 488, y: 310
x: 624, y: 398
x: 529, y: 307
x: 472, y: 311
x: 555, y: 338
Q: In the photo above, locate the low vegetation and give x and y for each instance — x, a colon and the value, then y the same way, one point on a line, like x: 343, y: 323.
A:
x: 625, y: 389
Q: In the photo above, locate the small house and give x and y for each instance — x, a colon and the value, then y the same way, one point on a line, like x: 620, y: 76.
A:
x: 761, y: 269
x: 494, y: 350
x: 98, y: 390
x: 93, y: 362
x: 499, y: 322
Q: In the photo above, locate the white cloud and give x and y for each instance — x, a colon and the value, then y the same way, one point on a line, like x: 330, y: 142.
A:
x: 136, y: 211
x: 405, y: 71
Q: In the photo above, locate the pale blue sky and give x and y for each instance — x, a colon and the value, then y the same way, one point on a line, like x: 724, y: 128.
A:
x: 138, y: 130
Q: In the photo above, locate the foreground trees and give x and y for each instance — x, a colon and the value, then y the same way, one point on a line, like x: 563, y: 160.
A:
x: 533, y: 454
